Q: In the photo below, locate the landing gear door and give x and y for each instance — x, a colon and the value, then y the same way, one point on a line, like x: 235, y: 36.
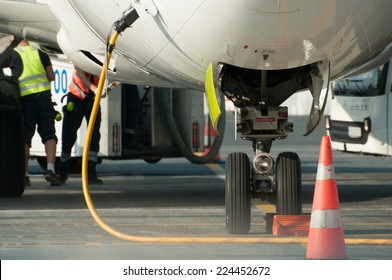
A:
x: 319, y: 89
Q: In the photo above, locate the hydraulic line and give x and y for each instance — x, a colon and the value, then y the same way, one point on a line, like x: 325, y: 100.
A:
x: 163, y: 98
x: 128, y: 18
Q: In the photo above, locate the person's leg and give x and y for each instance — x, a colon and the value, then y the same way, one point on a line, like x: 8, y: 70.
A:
x: 50, y: 150
x: 94, y: 148
x: 47, y: 131
x: 71, y: 123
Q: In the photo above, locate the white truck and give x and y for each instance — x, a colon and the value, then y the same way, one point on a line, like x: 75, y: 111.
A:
x: 360, y: 117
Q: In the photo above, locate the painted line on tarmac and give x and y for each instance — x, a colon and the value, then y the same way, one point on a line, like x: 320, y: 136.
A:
x: 217, y: 169
x: 239, y: 239
x: 268, y: 207
x: 263, y: 206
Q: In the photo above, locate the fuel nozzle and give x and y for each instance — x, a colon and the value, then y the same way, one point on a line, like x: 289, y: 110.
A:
x: 129, y: 17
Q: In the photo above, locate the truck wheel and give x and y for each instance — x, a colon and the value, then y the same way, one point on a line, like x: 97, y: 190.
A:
x: 12, y: 171
x: 152, y: 160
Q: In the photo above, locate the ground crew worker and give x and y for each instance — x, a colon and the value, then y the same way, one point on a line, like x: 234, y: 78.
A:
x: 34, y: 71
x: 81, y: 92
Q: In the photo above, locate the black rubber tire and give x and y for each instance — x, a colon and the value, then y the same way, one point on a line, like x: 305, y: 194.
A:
x: 288, y: 184
x: 152, y: 160
x: 12, y: 163
x: 237, y: 196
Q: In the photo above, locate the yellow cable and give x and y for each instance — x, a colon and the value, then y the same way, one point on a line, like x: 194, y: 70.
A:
x: 157, y: 239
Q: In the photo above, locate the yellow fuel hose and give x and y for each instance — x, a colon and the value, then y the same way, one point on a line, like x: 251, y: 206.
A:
x: 174, y: 239
x: 146, y: 239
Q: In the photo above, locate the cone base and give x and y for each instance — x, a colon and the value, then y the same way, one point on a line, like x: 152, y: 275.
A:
x: 326, y: 243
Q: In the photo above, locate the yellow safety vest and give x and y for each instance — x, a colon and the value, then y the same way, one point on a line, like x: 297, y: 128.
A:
x: 33, y: 78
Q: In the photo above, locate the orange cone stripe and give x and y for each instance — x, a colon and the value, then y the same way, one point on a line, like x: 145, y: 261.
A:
x: 325, y: 219
x: 325, y: 172
x: 326, y: 195
x: 326, y: 151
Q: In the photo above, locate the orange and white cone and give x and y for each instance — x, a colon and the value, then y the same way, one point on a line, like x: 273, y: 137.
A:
x: 326, y: 238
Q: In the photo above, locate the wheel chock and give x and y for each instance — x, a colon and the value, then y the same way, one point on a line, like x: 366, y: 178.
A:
x: 289, y: 225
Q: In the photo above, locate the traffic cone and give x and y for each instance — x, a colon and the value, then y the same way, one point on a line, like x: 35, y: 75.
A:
x: 326, y: 238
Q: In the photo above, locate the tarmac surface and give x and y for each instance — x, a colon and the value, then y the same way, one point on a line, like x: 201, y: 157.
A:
x: 177, y: 199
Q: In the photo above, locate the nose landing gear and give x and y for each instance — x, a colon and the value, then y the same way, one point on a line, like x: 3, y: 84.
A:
x: 278, y: 181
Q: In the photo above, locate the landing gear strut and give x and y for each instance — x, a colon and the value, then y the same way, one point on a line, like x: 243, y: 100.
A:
x: 263, y: 178
x: 259, y: 95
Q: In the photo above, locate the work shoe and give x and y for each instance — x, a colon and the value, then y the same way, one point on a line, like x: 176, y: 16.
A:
x: 27, y: 182
x: 95, y: 181
x: 52, y: 178
x: 62, y: 178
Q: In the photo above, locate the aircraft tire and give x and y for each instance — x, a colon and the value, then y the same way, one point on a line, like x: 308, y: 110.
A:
x: 237, y: 193
x: 288, y: 183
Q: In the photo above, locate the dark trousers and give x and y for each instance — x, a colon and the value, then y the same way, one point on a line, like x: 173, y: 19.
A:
x: 71, y: 124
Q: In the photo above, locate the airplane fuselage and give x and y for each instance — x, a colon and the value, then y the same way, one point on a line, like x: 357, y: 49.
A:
x: 173, y: 45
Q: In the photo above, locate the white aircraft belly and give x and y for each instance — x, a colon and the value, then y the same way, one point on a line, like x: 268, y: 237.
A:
x: 178, y: 41
x: 252, y: 34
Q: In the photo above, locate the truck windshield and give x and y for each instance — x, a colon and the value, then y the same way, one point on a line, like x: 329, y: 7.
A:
x: 371, y: 83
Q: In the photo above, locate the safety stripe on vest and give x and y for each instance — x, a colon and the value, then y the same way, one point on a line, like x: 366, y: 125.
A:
x: 325, y: 172
x: 325, y: 219
x: 42, y: 85
x: 80, y: 92
x: 34, y: 77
